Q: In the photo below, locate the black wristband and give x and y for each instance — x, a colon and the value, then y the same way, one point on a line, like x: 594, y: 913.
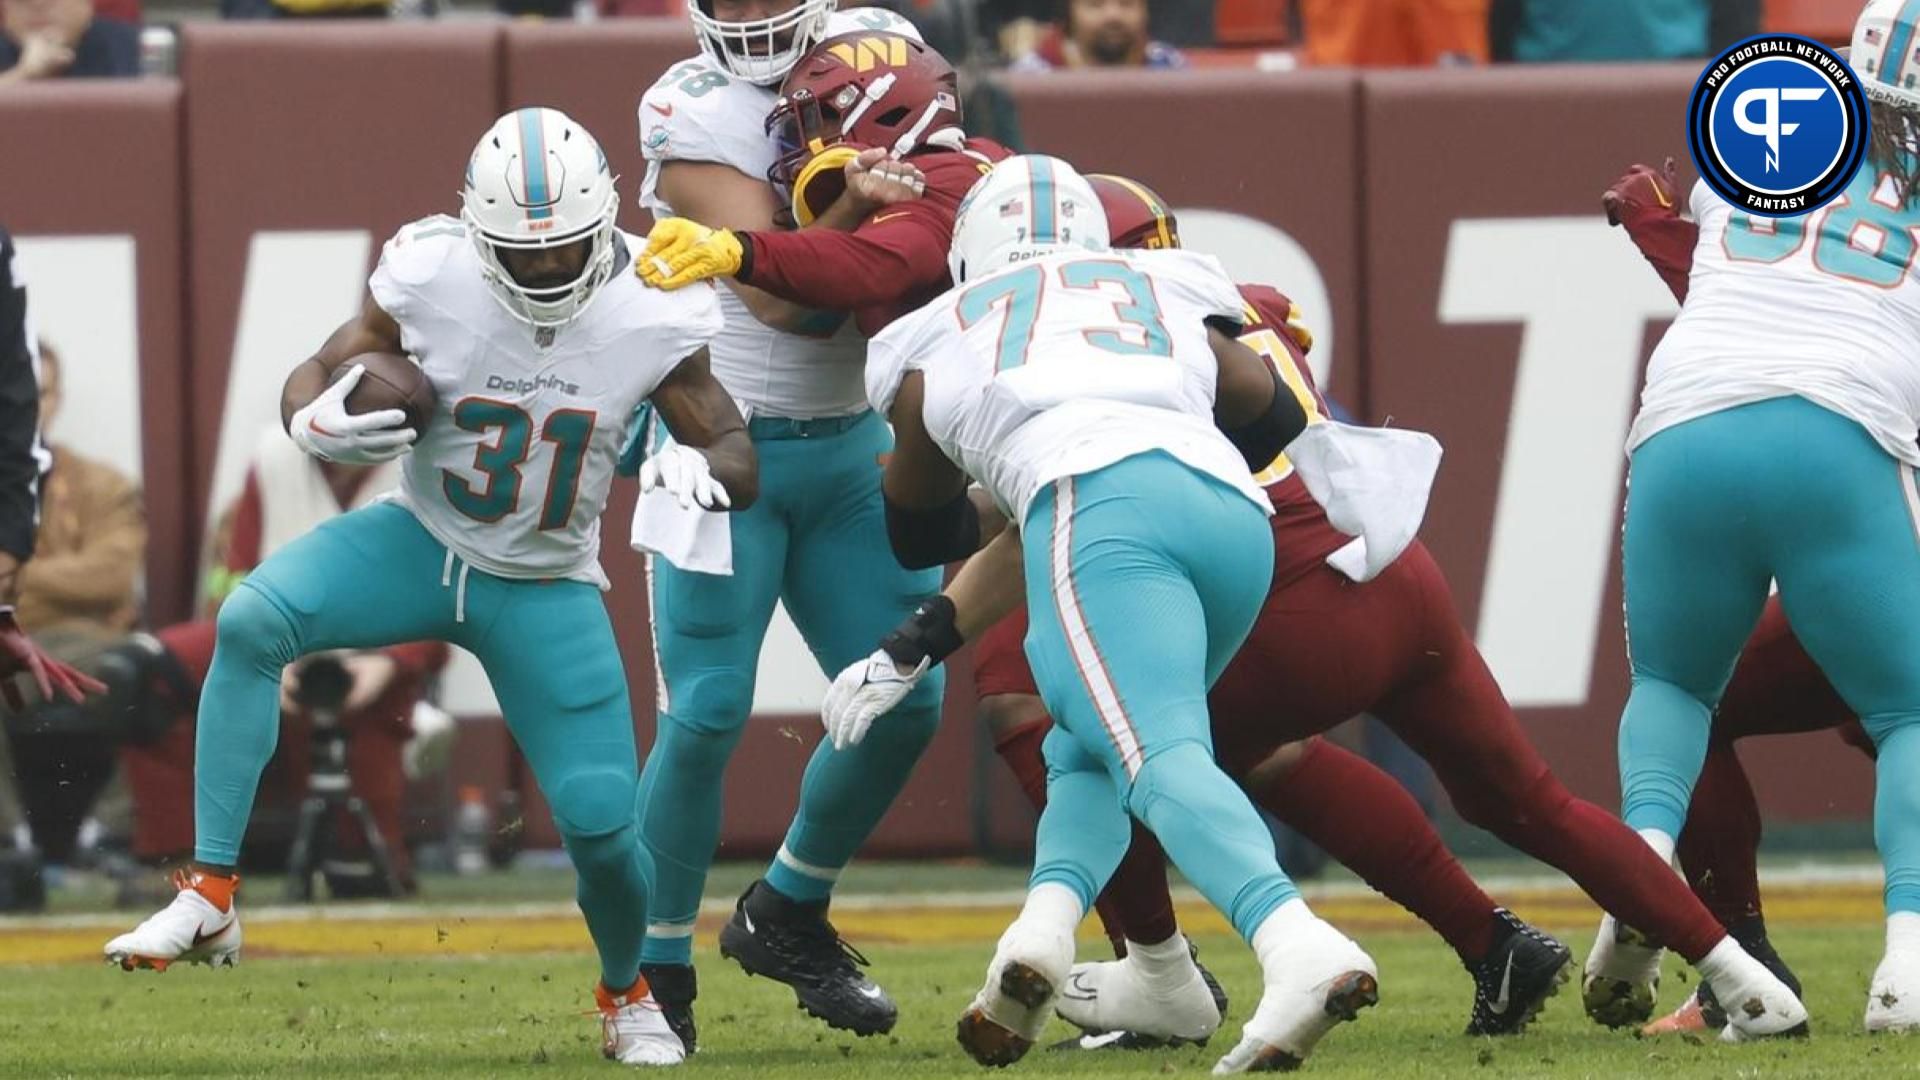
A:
x: 746, y: 256
x: 928, y: 634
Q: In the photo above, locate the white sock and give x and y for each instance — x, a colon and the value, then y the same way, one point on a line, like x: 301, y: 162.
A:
x: 1903, y: 932
x: 1278, y: 931
x: 1728, y: 965
x: 1167, y: 961
x: 1660, y: 842
x: 1053, y: 905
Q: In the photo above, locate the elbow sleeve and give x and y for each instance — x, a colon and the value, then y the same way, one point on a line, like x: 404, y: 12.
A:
x: 935, y: 536
x: 1261, y: 439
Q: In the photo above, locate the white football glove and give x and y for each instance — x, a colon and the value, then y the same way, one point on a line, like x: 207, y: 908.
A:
x: 325, y: 429
x: 685, y: 474
x: 867, y: 690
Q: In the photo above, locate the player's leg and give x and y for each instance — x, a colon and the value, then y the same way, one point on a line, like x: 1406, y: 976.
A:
x: 1147, y: 542
x: 1776, y: 688
x: 707, y: 632
x: 549, y: 652
x: 1367, y: 822
x: 371, y: 577
x: 1696, y: 578
x: 845, y: 590
x: 1135, y: 904
x: 1324, y: 649
x: 1848, y: 563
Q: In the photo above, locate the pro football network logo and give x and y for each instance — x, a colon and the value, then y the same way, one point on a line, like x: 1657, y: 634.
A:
x: 1778, y: 125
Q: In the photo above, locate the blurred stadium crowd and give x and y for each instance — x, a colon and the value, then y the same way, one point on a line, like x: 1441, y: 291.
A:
x: 114, y: 38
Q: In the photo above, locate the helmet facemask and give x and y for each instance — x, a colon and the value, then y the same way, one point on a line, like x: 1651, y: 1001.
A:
x: 553, y: 306
x: 761, y: 51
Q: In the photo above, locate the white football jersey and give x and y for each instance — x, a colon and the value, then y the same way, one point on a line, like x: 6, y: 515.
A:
x: 514, y: 468
x: 1824, y: 306
x: 1066, y: 364
x: 696, y: 112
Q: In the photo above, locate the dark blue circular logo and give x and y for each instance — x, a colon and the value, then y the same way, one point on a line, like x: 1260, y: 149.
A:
x: 1778, y: 125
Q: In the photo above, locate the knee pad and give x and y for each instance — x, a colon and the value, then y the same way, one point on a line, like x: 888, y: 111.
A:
x: 594, y: 802
x: 711, y: 702
x: 1167, y: 770
x: 251, y: 622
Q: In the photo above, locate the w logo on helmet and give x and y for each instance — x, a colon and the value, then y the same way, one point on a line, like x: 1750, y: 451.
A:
x: 866, y: 54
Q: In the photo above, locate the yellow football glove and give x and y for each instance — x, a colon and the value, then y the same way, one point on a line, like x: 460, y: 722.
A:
x: 680, y: 252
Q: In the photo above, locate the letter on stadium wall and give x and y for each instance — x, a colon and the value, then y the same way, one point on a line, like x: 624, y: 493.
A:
x: 1585, y: 297
x: 300, y: 286
x: 84, y: 302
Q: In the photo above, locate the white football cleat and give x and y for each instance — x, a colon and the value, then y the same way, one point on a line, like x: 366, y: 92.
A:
x: 634, y: 1030
x: 1893, y: 999
x: 192, y: 929
x: 1622, y: 978
x: 1030, y: 965
x: 1316, y: 978
x: 1168, y: 999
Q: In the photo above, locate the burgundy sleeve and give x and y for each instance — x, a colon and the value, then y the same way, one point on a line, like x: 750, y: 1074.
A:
x: 897, y: 251
x: 1667, y: 240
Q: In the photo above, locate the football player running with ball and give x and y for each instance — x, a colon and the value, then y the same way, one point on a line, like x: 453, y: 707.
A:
x: 817, y: 542
x: 538, y: 345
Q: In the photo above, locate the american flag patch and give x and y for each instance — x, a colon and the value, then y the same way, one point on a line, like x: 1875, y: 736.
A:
x: 1873, y: 36
x: 1013, y: 208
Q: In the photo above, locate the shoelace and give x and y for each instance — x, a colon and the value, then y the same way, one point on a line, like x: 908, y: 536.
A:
x: 820, y: 940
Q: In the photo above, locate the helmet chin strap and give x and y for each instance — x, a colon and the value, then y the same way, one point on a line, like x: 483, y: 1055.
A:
x: 911, y: 138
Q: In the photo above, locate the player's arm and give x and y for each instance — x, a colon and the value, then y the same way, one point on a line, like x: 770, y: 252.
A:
x: 986, y: 590
x: 931, y: 520
x: 313, y: 403
x: 371, y: 330
x: 707, y: 425
x: 726, y: 198
x: 1647, y: 204
x: 1251, y: 406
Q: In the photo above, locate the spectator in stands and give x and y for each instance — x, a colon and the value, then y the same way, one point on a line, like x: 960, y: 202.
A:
x: 1535, y: 31
x: 1100, y: 33
x: 1397, y: 33
x: 48, y: 39
x: 80, y: 594
x: 286, y: 493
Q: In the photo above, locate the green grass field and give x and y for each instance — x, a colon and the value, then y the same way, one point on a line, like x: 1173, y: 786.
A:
x: 525, y: 1013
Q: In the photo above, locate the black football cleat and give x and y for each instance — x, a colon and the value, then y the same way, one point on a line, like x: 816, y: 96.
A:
x: 674, y: 988
x: 792, y: 942
x: 1514, y: 980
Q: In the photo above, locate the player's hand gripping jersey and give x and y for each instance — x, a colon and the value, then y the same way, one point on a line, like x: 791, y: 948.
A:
x: 1066, y: 364
x: 1823, y: 306
x: 698, y: 113
x: 514, y: 468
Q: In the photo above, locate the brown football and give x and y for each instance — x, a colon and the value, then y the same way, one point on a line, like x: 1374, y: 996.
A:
x: 392, y: 381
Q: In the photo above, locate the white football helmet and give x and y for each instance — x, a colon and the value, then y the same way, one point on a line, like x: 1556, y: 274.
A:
x: 1886, y: 54
x: 1028, y: 206
x: 731, y: 45
x: 539, y: 180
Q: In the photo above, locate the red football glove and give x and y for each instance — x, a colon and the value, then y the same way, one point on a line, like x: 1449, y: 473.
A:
x: 19, y: 654
x: 1641, y: 191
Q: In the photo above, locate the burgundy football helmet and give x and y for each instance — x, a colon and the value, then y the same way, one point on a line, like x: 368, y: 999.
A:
x: 1137, y: 217
x: 856, y: 91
